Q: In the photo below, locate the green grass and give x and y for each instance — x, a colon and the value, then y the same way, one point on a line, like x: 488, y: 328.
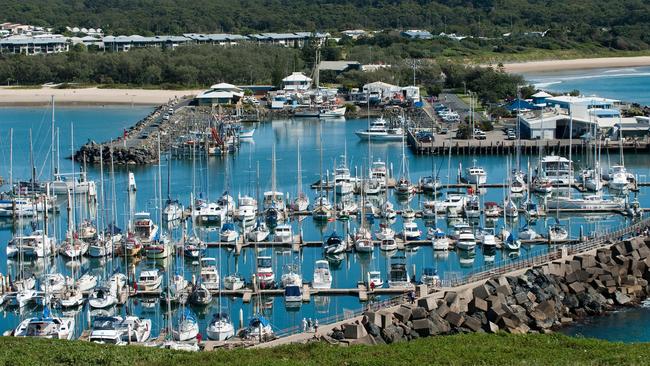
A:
x: 469, y: 349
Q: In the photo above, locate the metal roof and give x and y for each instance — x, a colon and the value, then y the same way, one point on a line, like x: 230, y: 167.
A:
x: 31, y: 40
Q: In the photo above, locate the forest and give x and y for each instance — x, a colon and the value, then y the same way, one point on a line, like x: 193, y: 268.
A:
x: 623, y: 25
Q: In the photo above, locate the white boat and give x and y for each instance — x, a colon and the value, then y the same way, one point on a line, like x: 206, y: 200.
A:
x: 208, y: 213
x: 322, y: 210
x: 102, y: 298
x: 209, y: 273
x: 374, y: 279
x: 149, y: 280
x: 322, y: 275
x: 135, y: 329
x: 618, y: 178
x: 144, y: 228
x: 411, y: 231
x: 74, y: 247
x: 334, y: 244
x: 388, y: 245
x: 518, y: 184
x: 71, y: 297
x: 492, y: 210
x: 200, y: 295
x: 104, y: 245
x: 558, y: 233
x: 527, y: 233
x: 334, y: 112
x: 291, y: 276
x: 132, y: 187
x: 590, y: 202
x: 385, y: 232
x: 430, y: 184
x: 258, y: 328
x: 379, y: 173
x: 247, y: 209
x: 452, y: 200
x: 430, y: 277
x: 466, y: 240
x: 408, y: 214
x: 159, y: 248
x: 283, y: 233
x: 259, y: 232
x: 46, y: 326
x: 173, y: 211
x: 220, y: 327
x: 488, y: 239
x: 23, y: 297
x: 86, y: 282
x: 398, y: 276
x: 53, y: 283
x: 510, y: 243
x: 379, y: 131
x: 247, y: 134
x: 440, y: 240
x: 342, y: 181
x: 472, y: 208
x: 234, y: 282
x: 64, y: 183
x: 106, y: 330
x: 228, y: 233
x: 36, y: 244
x: 293, y: 294
x: 363, y: 241
x: 557, y: 169
x: 187, y: 329
x: 265, y: 275
x: 475, y: 175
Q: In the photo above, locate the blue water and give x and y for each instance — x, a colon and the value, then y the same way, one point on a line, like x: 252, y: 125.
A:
x: 239, y: 169
x: 626, y: 84
x: 625, y: 325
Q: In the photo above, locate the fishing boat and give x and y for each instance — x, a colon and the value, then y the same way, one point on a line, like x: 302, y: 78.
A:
x: 334, y: 244
x: 265, y: 275
x: 259, y: 232
x: 46, y: 326
x: 209, y: 273
x: 380, y: 132
x: 149, y: 280
x: 333, y: 112
x: 398, y: 276
x: 220, y: 327
x: 374, y: 279
x: 322, y: 275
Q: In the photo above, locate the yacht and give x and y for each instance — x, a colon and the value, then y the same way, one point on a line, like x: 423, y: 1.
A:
x: 388, y: 210
x: 258, y: 328
x: 322, y: 210
x: 102, y: 298
x: 37, y: 244
x: 208, y: 213
x: 363, y: 241
x: 274, y: 201
x: 404, y: 187
x: 293, y: 295
x: 259, y: 232
x: 379, y: 173
x: 46, y: 326
x: 453, y: 200
x: 159, y: 248
x: 411, y: 231
x: 107, y: 330
x: 200, y: 295
x: 398, y: 276
x: 379, y: 131
x: 135, y: 329
x: 430, y: 184
x: 342, y: 181
x: 492, y: 210
x: 475, y: 175
x: 558, y: 233
x: 283, y: 233
x: 291, y: 276
x: 144, y: 228
x: 194, y: 247
x: 618, y: 178
x: 209, y: 273
x: 466, y: 240
x: 53, y: 283
x: 73, y: 247
x: 265, y: 275
x: 64, y: 183
x: 440, y: 240
x: 472, y: 207
x: 104, y: 245
x: 589, y: 202
x: 86, y: 282
x: 488, y: 239
x: 385, y: 232
x: 322, y: 275
x: 388, y: 245
x: 247, y: 209
x: 557, y: 169
x: 149, y: 280
x: 220, y: 327
x: 527, y: 233
x: 510, y: 243
x: 71, y: 297
x: 518, y: 184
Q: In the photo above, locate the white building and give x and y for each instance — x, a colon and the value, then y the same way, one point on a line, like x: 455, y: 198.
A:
x: 34, y: 45
x: 381, y: 90
x: 125, y: 43
x: 222, y: 93
x: 297, y: 82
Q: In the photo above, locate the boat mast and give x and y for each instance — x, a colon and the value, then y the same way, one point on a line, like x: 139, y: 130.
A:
x: 52, y: 142
x: 31, y: 160
x: 299, y: 172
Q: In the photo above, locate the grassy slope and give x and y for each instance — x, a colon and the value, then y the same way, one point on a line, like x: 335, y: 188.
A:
x: 455, y: 350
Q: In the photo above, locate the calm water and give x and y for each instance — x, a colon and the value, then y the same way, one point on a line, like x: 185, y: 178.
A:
x: 625, y: 325
x: 236, y: 174
x: 627, y: 84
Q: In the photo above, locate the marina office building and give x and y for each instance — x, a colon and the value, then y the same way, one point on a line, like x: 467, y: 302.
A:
x: 556, y: 117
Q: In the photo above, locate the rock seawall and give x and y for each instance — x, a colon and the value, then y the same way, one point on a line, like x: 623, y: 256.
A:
x: 539, y: 300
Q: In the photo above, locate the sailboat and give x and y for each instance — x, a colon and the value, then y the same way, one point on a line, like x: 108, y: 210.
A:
x: 220, y: 327
x: 274, y: 205
x: 46, y: 326
x: 187, y: 329
x: 301, y: 202
x: 404, y: 187
x: 173, y: 210
x: 160, y: 246
x: 322, y: 210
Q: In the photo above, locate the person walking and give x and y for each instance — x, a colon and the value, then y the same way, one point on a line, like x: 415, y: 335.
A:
x: 309, y: 324
x: 304, y: 325
x: 315, y: 327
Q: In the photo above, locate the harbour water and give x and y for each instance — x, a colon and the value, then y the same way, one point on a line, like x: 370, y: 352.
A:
x: 626, y: 84
x: 236, y: 173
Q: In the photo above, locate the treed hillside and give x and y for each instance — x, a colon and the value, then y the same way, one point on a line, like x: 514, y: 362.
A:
x: 624, y: 24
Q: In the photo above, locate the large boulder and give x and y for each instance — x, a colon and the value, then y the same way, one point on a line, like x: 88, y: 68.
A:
x: 392, y: 334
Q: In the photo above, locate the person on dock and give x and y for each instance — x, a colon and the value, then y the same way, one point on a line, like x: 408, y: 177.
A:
x: 315, y: 327
x: 372, y: 286
x: 309, y: 325
x: 304, y: 325
x: 411, y: 296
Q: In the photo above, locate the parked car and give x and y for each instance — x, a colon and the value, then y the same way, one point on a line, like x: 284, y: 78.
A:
x: 479, y: 135
x: 443, y: 131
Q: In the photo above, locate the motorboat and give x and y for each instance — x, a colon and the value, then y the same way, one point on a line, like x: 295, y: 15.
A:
x: 283, y: 233
x: 472, y: 207
x: 209, y: 273
x: 398, y: 275
x: 72, y: 183
x: 322, y: 275
x: 510, y: 243
x: 492, y: 210
x: 342, y: 181
x: 135, y: 329
x: 440, y: 240
x: 379, y: 131
x: 107, y: 330
x: 292, y: 294
x: 144, y: 228
x: 475, y: 175
x: 334, y: 112
x: 379, y: 173
x: 385, y: 232
x: 430, y: 277
x: 247, y: 209
x: 453, y: 200
x: 334, y: 244
x: 34, y: 245
x: 46, y: 326
x: 234, y: 281
x: 618, y: 178
x: 589, y: 202
x: 265, y: 275
x: 194, y: 247
x: 258, y: 328
x: 374, y: 279
x: 466, y: 240
x: 220, y: 327
x: 149, y: 280
x: 159, y: 248
x: 488, y: 239
x: 228, y: 233
x: 291, y: 276
x: 187, y: 329
x: 408, y: 214
x: 411, y: 231
x: 246, y: 134
x: 259, y: 232
x: 208, y: 213
x: 388, y: 245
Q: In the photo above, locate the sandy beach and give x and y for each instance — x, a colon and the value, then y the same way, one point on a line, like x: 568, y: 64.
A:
x: 576, y: 64
x: 88, y: 96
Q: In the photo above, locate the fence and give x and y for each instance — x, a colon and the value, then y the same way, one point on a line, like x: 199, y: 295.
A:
x: 606, y: 237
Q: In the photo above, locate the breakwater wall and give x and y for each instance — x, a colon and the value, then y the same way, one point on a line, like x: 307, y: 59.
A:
x: 538, y: 299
